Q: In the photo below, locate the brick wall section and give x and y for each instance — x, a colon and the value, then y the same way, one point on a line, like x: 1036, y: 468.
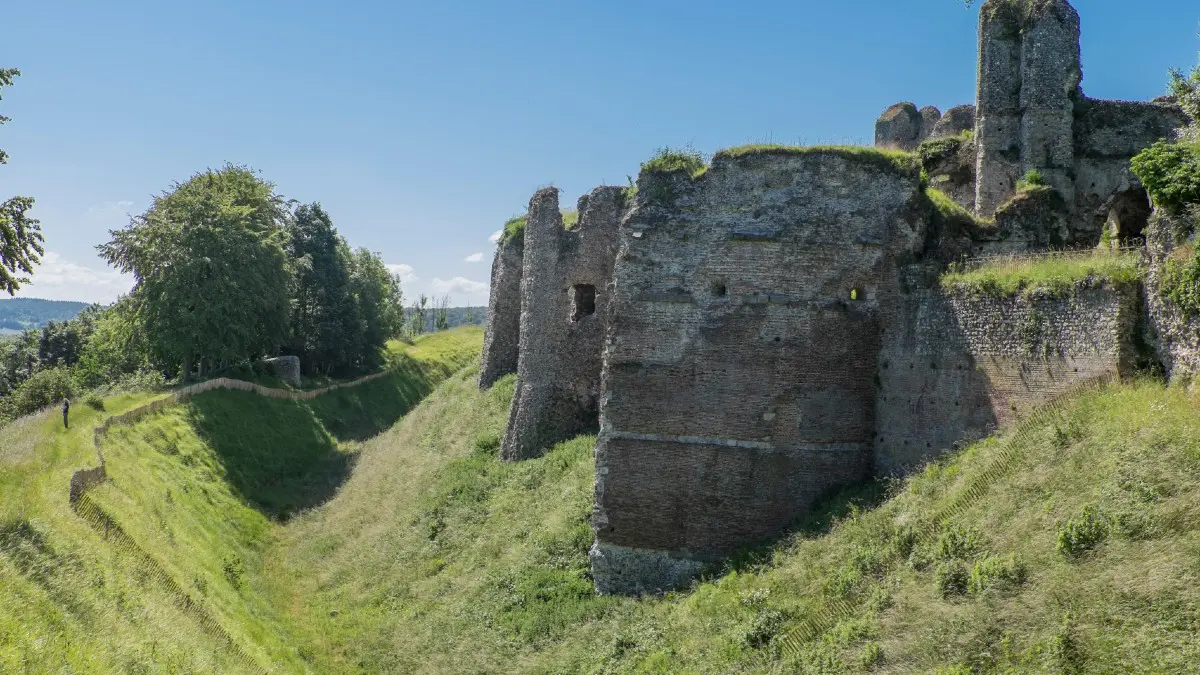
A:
x: 558, y: 370
x: 502, y: 339
x: 956, y: 366
x: 739, y: 371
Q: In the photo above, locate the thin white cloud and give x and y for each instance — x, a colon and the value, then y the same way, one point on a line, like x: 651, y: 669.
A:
x: 117, y: 208
x: 462, y: 291
x: 405, y: 272
x: 474, y: 258
x: 59, y: 279
x: 496, y: 236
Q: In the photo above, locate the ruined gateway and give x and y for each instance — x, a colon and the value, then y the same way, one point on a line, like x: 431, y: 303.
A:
x: 752, y: 337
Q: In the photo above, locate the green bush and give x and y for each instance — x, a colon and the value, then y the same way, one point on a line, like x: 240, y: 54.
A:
x: 1082, y: 533
x: 1180, y: 282
x: 94, y: 402
x: 1171, y: 174
x: 1032, y: 178
x: 996, y: 573
x: 47, y: 387
x: 952, y: 578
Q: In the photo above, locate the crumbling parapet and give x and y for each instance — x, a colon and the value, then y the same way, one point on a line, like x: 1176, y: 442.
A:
x: 564, y: 303
x: 739, y: 370
x: 900, y: 127
x: 501, y: 342
x: 957, y: 120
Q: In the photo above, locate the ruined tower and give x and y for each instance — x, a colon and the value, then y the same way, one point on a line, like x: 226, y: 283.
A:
x: 1029, y: 76
x: 501, y: 343
x: 564, y: 302
x: 739, y: 374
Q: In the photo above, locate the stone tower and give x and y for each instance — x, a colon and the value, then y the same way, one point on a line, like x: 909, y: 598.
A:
x: 502, y: 340
x: 564, y: 303
x: 1029, y: 77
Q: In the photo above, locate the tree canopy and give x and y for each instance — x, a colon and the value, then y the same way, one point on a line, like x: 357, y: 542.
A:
x: 212, y: 275
x: 20, y: 235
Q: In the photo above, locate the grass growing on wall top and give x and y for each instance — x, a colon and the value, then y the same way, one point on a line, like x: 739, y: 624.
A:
x: 514, y: 230
x: 671, y: 160
x: 1056, y: 274
x: 886, y: 160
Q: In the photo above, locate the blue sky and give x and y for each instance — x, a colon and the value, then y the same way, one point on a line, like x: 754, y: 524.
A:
x: 421, y: 127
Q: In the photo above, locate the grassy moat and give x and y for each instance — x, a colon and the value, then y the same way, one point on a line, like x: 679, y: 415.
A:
x: 1068, y: 544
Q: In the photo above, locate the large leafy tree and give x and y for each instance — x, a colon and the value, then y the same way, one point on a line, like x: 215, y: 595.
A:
x: 322, y: 313
x: 20, y: 235
x: 211, y: 269
x: 378, y: 302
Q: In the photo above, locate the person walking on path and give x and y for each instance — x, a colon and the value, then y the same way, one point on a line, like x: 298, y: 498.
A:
x: 66, y: 410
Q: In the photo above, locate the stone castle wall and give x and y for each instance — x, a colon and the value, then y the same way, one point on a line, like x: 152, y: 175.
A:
x: 739, y: 372
x: 1176, y: 337
x: 564, y: 311
x: 768, y: 331
x: 956, y: 366
x: 501, y: 342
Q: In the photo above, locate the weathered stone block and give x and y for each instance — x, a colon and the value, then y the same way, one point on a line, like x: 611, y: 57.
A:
x: 286, y: 368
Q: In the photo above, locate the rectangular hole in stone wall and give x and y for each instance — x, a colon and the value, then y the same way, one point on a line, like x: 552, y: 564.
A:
x: 583, y: 301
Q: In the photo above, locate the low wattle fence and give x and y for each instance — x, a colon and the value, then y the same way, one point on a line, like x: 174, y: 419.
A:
x: 91, y: 512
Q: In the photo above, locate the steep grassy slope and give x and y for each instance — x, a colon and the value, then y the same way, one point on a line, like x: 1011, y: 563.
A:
x: 197, y: 494
x: 1069, y: 545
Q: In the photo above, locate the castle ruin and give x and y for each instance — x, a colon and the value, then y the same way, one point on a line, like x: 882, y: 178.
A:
x: 752, y: 336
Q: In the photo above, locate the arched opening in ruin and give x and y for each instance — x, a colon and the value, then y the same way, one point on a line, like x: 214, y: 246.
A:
x: 583, y: 301
x: 1127, y: 217
x: 858, y: 294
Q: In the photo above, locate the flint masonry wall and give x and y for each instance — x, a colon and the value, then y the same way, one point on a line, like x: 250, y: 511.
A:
x: 740, y: 365
x: 957, y: 365
x: 501, y: 342
x: 564, y: 311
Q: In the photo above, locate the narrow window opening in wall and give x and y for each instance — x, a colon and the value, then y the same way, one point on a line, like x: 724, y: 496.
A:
x: 583, y: 301
x: 778, y: 339
x: 718, y: 288
x: 857, y: 294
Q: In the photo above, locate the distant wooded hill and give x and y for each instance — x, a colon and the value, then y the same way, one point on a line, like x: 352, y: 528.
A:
x: 18, y: 314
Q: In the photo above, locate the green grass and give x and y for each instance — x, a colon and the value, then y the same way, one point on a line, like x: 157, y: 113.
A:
x: 514, y: 230
x: 1054, y: 274
x: 478, y: 566
x: 885, y: 160
x: 197, y: 488
x: 1067, y: 544
x: 936, y: 150
x: 672, y: 160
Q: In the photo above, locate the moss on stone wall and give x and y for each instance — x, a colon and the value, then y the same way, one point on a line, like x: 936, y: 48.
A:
x: 937, y: 150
